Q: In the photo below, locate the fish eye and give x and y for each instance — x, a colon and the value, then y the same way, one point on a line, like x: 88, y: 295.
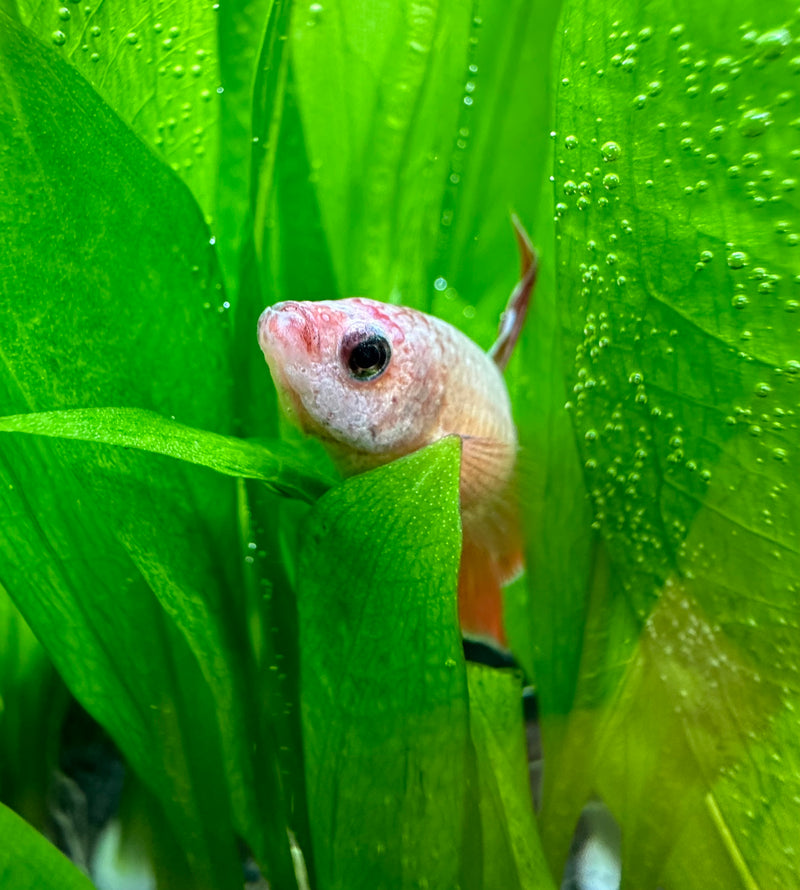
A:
x: 367, y: 355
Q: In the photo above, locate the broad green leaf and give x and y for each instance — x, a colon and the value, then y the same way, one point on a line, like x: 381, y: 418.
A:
x: 157, y: 67
x: 383, y: 685
x: 512, y: 854
x: 110, y: 307
x: 27, y: 860
x: 677, y: 232
x: 269, y: 462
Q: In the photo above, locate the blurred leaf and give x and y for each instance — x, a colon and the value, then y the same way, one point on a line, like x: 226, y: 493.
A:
x: 372, y: 90
x: 497, y: 164
x: 544, y: 613
x: 32, y: 705
x: 404, y: 112
x: 109, y: 307
x: 157, y: 67
x: 678, y: 223
x: 285, y: 256
x: 270, y: 462
x: 27, y: 860
x: 513, y: 855
x: 242, y: 28
x: 383, y: 683
x: 289, y: 238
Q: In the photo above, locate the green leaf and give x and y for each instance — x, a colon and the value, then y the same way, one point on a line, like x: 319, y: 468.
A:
x: 32, y: 705
x: 241, y: 30
x: 677, y: 228
x: 419, y: 128
x: 106, y: 307
x: 383, y: 685
x: 272, y: 463
x: 512, y: 855
x: 157, y: 68
x: 27, y: 860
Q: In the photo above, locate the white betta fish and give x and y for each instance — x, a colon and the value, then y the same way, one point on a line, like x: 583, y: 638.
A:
x: 374, y: 382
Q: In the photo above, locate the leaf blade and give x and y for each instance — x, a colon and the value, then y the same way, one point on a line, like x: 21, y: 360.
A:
x: 272, y: 463
x: 382, y: 677
x: 27, y: 860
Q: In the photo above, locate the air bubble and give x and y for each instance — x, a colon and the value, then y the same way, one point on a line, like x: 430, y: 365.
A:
x: 754, y: 122
x: 59, y: 38
x: 610, y: 151
x: 611, y: 181
x: 773, y: 43
x: 737, y: 259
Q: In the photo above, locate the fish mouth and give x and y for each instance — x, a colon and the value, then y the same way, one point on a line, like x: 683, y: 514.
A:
x: 286, y: 330
x: 289, y: 339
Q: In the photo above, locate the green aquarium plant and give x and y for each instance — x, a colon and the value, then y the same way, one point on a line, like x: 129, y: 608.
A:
x: 274, y: 651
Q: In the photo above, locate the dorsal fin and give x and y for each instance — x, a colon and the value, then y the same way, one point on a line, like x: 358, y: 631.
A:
x: 513, y: 318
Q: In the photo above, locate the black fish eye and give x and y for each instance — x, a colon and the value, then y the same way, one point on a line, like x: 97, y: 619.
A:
x: 369, y: 356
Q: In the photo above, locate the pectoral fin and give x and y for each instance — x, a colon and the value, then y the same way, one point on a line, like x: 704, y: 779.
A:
x: 491, y: 553
x: 486, y: 467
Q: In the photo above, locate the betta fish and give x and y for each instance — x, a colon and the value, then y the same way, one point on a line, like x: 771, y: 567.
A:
x: 374, y: 381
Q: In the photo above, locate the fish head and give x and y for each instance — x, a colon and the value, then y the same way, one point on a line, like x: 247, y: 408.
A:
x: 360, y: 375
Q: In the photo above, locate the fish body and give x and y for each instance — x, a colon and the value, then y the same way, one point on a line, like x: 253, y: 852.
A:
x: 375, y: 381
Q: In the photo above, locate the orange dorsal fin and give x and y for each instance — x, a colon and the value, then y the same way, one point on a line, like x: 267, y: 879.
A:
x: 513, y: 318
